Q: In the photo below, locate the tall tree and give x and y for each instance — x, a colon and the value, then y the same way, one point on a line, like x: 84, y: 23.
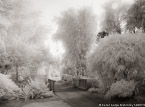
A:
x: 20, y: 20
x: 22, y: 34
x: 136, y: 16
x: 113, y: 16
x: 24, y: 54
x: 77, y: 30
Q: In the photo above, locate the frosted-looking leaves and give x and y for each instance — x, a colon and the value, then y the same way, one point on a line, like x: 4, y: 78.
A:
x: 7, y: 84
x: 77, y: 30
x: 120, y: 53
x: 112, y: 19
x: 121, y: 89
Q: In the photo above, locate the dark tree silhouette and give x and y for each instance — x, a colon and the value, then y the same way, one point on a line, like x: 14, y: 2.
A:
x: 102, y: 34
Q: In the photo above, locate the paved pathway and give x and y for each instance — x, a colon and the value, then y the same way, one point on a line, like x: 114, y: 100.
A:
x: 67, y: 96
x: 80, y: 98
x: 76, y: 97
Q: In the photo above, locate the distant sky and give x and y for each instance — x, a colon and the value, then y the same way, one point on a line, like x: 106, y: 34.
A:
x: 52, y: 8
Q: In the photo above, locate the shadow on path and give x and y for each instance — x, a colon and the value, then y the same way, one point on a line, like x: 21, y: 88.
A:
x: 76, y: 97
x: 79, y: 98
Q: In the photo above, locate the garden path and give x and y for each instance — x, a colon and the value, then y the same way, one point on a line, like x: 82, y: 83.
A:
x: 67, y: 96
x: 76, y: 97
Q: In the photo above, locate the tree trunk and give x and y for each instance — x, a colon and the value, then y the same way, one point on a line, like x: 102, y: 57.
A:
x: 83, y: 63
x: 103, y: 80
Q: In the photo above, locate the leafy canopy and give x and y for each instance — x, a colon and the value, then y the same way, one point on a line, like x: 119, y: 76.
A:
x: 77, y: 30
x: 120, y: 56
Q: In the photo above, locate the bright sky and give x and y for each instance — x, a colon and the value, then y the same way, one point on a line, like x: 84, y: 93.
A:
x: 53, y: 8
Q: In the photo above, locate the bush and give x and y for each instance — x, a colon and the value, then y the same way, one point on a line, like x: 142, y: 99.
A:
x: 35, y: 89
x: 40, y: 85
x: 8, y: 89
x: 26, y: 92
x: 119, y: 57
x: 120, y: 89
x: 40, y: 89
x: 7, y: 84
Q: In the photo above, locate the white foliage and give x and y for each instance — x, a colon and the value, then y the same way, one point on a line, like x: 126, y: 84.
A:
x: 7, y: 84
x: 39, y: 85
x: 26, y: 92
x: 120, y: 53
x: 24, y: 72
x: 77, y: 30
x: 121, y: 89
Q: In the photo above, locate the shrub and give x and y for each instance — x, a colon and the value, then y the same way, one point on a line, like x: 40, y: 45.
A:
x: 26, y: 92
x: 121, y: 88
x: 39, y: 85
x: 8, y: 89
x: 40, y: 89
x: 35, y: 89
x: 7, y: 84
x: 119, y: 57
